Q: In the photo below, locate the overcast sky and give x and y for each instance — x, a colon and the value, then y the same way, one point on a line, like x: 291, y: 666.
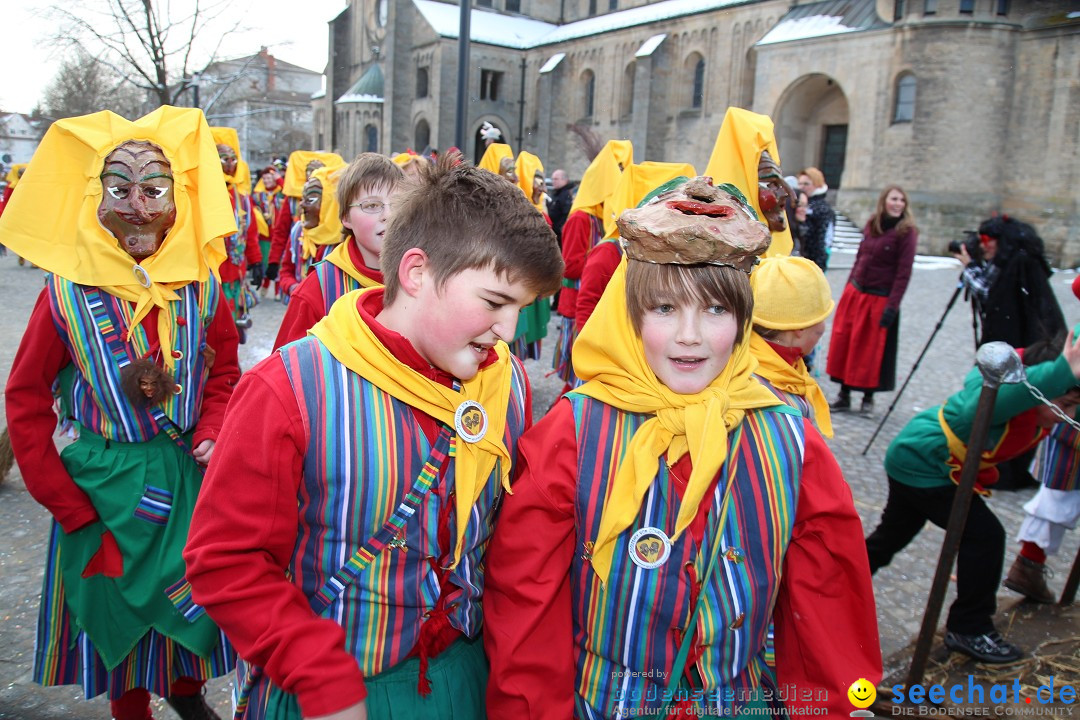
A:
x: 294, y: 30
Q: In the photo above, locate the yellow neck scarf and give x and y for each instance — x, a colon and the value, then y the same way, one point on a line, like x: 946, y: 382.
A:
x: 793, y: 379
x: 340, y: 257
x: 351, y: 341
x: 52, y: 221
x: 610, y: 357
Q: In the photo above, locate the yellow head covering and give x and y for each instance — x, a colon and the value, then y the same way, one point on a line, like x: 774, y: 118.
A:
x: 494, y: 155
x: 527, y: 165
x: 296, y: 172
x: 228, y: 136
x: 635, y: 183
x: 743, y: 135
x: 13, y: 174
x: 52, y: 221
x: 351, y: 341
x: 602, y: 175
x: 243, y: 177
x: 328, y: 231
x: 610, y: 358
x: 404, y: 158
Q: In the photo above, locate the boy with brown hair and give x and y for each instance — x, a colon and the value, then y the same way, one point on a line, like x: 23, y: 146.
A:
x: 347, y: 560
x: 355, y: 208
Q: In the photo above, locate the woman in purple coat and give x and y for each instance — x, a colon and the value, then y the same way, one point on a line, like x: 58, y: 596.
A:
x: 862, y: 349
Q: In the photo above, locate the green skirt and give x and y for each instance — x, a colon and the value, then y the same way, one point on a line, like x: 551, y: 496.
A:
x: 458, y: 682
x: 144, y: 494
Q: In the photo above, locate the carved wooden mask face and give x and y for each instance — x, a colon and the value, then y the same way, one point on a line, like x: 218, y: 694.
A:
x: 311, y: 204
x: 772, y: 192
x: 312, y: 167
x: 137, y: 203
x: 228, y: 159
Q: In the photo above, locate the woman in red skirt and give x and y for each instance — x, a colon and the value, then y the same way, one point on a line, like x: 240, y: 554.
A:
x: 862, y: 349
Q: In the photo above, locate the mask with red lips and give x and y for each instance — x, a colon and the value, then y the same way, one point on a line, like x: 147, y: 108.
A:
x: 137, y: 204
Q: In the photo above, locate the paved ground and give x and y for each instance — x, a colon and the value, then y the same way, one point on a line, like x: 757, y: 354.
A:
x: 900, y: 589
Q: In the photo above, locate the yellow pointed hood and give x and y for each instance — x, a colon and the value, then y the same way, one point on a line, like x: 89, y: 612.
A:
x: 527, y: 165
x: 328, y: 231
x: 493, y: 156
x: 602, y: 176
x: 296, y: 172
x: 742, y: 137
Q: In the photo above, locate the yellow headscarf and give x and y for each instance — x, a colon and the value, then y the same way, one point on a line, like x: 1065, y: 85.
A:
x: 52, y: 221
x: 351, y: 341
x: 243, y: 177
x: 296, y: 172
x: 13, y: 174
x: 494, y: 155
x: 742, y: 137
x: 792, y: 379
x: 610, y: 358
x: 228, y: 136
x: 527, y: 165
x: 602, y: 176
x: 328, y: 231
x: 636, y: 182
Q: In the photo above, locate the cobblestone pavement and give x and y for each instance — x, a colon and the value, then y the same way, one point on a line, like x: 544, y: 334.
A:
x: 900, y: 589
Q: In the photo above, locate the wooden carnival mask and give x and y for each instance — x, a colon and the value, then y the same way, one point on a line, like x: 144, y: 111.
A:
x: 773, y: 192
x: 311, y: 205
x: 137, y: 204
x: 229, y: 161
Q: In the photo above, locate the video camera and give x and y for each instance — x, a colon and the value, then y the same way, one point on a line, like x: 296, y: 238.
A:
x: 971, y: 242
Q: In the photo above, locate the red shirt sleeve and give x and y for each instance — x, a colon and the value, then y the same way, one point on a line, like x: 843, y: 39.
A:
x: 222, y: 338
x: 279, y: 233
x: 287, y: 275
x: 31, y: 421
x: 528, y: 632
x: 825, y: 619
x: 241, y: 541
x: 575, y: 245
x: 600, y: 266
x: 304, y: 310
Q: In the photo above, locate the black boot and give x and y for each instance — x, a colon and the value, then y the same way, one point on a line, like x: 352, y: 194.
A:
x: 842, y: 403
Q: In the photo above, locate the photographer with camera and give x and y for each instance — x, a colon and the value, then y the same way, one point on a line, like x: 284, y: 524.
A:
x: 1007, y: 278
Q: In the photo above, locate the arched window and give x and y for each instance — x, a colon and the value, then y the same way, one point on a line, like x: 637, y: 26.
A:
x: 588, y: 84
x: 904, y: 106
x: 371, y: 138
x: 422, y: 136
x: 421, y: 82
x: 697, y: 99
x: 626, y: 107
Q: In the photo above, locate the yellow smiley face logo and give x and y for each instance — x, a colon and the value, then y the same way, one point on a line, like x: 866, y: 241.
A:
x: 862, y: 693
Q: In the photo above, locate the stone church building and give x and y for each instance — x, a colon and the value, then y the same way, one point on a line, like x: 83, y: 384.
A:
x: 973, y: 106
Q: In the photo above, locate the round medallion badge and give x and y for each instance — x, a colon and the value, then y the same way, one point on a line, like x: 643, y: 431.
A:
x: 471, y: 421
x: 649, y: 548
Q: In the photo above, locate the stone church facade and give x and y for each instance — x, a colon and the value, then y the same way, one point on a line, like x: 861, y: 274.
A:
x: 973, y: 106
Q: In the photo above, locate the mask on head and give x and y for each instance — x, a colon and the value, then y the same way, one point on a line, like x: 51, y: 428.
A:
x: 137, y: 203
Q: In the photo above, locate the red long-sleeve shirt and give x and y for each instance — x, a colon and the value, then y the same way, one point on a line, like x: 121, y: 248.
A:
x: 576, y: 239
x: 884, y: 262
x: 244, y: 531
x: 31, y: 421
x: 825, y: 621
x: 279, y: 232
x: 307, y: 304
x: 599, y: 267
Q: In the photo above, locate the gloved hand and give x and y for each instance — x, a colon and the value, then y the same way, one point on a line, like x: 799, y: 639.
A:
x: 256, y: 272
x: 271, y: 271
x: 888, y: 317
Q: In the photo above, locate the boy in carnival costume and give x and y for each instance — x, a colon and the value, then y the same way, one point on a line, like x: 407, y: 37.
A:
x: 393, y: 427
x: 354, y: 209
x: 128, y: 219
x: 673, y: 479
x: 792, y: 301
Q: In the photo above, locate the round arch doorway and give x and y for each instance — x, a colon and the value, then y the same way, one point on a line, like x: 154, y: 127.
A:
x: 812, y: 126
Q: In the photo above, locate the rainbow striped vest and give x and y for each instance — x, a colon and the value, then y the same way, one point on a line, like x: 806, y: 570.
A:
x: 95, y: 398
x: 236, y: 244
x: 627, y: 632
x: 364, y: 451
x: 791, y: 399
x: 1058, y: 458
x: 334, y: 282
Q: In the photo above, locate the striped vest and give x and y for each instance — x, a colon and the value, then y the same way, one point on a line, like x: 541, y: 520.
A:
x: 95, y: 397
x: 791, y: 399
x: 627, y: 632
x: 364, y: 450
x: 1058, y: 458
x: 334, y: 282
